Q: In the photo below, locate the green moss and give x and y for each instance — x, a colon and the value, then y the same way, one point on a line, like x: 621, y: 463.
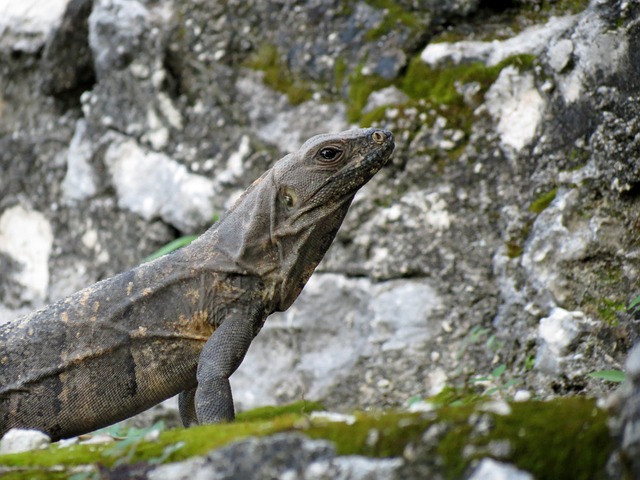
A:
x: 439, y: 84
x: 604, y: 290
x: 561, y: 439
x: 377, y: 435
x: 543, y: 201
x: 360, y: 87
x: 545, y: 450
x: 375, y: 116
x: 394, y: 14
x: 514, y: 250
x: 608, y: 310
x: 565, y: 6
x: 435, y: 85
x: 430, y: 88
x: 277, y: 74
x: 339, y: 72
x: 515, y: 246
x: 269, y: 413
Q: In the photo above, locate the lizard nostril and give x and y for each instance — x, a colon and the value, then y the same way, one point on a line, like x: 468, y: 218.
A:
x: 378, y: 136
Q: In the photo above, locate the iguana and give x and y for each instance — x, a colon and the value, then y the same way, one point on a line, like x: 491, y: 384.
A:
x: 183, y: 322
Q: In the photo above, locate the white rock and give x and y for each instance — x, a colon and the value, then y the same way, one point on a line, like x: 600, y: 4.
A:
x: 98, y: 439
x: 499, y: 407
x: 558, y: 333
x: 283, y: 125
x: 333, y: 417
x: 29, y: 21
x: 25, y: 236
x: 560, y: 54
x: 522, y: 396
x: 597, y: 50
x: 354, y: 467
x: 169, y: 111
x: 79, y: 182
x: 517, y: 106
x: 489, y: 469
x: 421, y: 406
x: 401, y: 312
x: 68, y: 442
x: 533, y: 40
x: 114, y: 26
x: 19, y: 440
x: 559, y: 330
x: 632, y: 364
x: 437, y: 380
x: 336, y: 323
x: 419, y: 208
x: 551, y: 242
x: 387, y: 96
x: 234, y: 167
x: 151, y: 184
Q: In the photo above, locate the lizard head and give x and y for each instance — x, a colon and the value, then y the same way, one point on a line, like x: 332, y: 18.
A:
x: 314, y: 189
x: 281, y: 227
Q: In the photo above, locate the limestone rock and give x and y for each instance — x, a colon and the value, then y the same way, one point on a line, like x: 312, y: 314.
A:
x: 489, y: 469
x: 286, y: 455
x: 19, y: 440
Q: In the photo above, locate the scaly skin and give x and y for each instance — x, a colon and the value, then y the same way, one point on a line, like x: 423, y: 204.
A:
x: 183, y: 323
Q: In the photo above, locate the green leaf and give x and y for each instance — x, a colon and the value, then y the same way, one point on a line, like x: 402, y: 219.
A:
x: 170, y: 247
x: 634, y: 303
x: 166, y: 453
x: 616, y: 376
x: 499, y: 370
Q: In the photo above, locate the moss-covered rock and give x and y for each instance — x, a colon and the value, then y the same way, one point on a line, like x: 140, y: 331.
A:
x: 561, y: 439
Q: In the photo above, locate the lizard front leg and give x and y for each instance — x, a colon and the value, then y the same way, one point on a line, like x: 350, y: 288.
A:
x: 187, y: 407
x: 220, y: 357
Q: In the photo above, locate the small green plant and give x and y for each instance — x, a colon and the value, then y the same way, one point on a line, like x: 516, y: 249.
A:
x: 125, y: 449
x: 543, y: 201
x: 494, y: 382
x: 170, y: 247
x: 167, y: 452
x: 634, y: 305
x: 529, y: 362
x: 614, y: 376
x: 175, y: 244
x: 278, y: 75
x: 476, y: 335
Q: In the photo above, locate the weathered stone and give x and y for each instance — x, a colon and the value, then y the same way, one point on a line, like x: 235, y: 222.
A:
x: 558, y: 333
x: 516, y: 106
x: 24, y: 26
x: 311, y: 356
x: 560, y: 54
x: 151, y: 184
x: 79, y: 182
x: 489, y: 469
x: 26, y: 237
x: 64, y: 74
x: 533, y: 40
x: 19, y: 440
x: 286, y: 456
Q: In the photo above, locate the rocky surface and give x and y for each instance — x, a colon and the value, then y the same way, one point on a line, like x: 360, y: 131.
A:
x: 279, y: 456
x: 504, y: 233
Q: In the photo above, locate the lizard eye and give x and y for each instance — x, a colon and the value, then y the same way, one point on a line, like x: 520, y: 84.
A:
x: 330, y: 153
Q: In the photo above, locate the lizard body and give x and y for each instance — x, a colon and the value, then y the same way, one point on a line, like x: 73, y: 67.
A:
x: 183, y: 323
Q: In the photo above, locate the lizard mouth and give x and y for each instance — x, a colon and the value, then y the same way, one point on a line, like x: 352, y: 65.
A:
x: 376, y: 152
x: 375, y: 149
